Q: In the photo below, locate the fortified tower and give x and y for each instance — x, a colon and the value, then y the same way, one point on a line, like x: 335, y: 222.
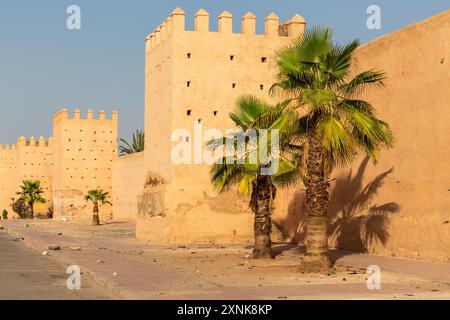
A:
x: 83, y: 150
x: 34, y: 161
x: 194, y: 77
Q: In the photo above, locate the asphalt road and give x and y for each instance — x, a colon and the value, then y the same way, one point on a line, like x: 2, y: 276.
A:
x: 27, y: 275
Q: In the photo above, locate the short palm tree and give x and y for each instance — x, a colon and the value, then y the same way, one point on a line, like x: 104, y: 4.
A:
x: 137, y: 145
x: 97, y: 197
x: 316, y: 74
x: 239, y: 170
x: 31, y: 193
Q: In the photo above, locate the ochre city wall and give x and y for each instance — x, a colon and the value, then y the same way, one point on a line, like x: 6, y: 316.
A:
x: 79, y: 159
x: 401, y: 206
x: 8, y: 177
x: 127, y: 182
x: 26, y: 160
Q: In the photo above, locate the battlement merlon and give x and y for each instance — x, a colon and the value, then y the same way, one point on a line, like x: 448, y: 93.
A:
x: 177, y: 23
x: 32, y: 142
x: 63, y: 114
x: 5, y: 149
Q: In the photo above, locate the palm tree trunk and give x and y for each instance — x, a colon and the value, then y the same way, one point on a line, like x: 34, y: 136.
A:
x: 31, y: 210
x: 263, y: 192
x: 317, y: 198
x: 95, y: 216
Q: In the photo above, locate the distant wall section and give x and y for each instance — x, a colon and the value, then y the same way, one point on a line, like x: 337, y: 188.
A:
x: 127, y: 182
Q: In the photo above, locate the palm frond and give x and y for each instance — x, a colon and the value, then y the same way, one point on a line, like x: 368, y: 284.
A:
x: 335, y: 138
x: 337, y: 62
x: 361, y: 81
x: 137, y: 144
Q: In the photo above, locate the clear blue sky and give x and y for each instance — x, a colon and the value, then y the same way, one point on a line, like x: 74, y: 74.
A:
x: 44, y: 66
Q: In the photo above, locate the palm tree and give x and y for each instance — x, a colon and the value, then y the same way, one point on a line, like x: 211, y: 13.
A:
x: 239, y: 169
x: 97, y: 197
x: 31, y: 194
x: 317, y: 75
x: 136, y: 146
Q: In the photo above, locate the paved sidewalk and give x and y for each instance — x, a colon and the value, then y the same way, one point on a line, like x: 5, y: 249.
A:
x: 437, y: 272
x: 25, y: 275
x: 131, y: 269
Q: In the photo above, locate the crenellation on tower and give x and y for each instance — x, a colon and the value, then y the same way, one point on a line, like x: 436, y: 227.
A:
x: 7, y: 148
x: 157, y: 36
x: 77, y: 115
x: 152, y: 40
x: 22, y: 141
x: 249, y: 24
x: 42, y: 142
x: 176, y: 23
x: 168, y: 25
x: 115, y: 116
x: 61, y: 114
x: 201, y: 21
x: 225, y: 22
x: 102, y: 115
x: 90, y: 114
x: 163, y: 30
x: 178, y: 20
x: 271, y: 25
x: 296, y: 26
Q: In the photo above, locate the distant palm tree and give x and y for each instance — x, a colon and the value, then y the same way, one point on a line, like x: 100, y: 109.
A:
x: 238, y: 170
x: 31, y: 194
x: 136, y: 146
x: 316, y: 74
x: 97, y: 197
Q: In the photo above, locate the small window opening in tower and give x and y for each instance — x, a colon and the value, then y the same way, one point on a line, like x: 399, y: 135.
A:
x: 199, y: 120
x: 261, y: 87
x: 187, y: 139
x: 188, y: 84
x: 264, y: 59
x: 189, y: 112
x: 215, y: 113
x: 188, y: 55
x: 234, y: 85
x: 231, y: 57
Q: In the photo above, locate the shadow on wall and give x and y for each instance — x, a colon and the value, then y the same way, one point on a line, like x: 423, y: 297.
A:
x: 354, y: 220
x: 293, y: 227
